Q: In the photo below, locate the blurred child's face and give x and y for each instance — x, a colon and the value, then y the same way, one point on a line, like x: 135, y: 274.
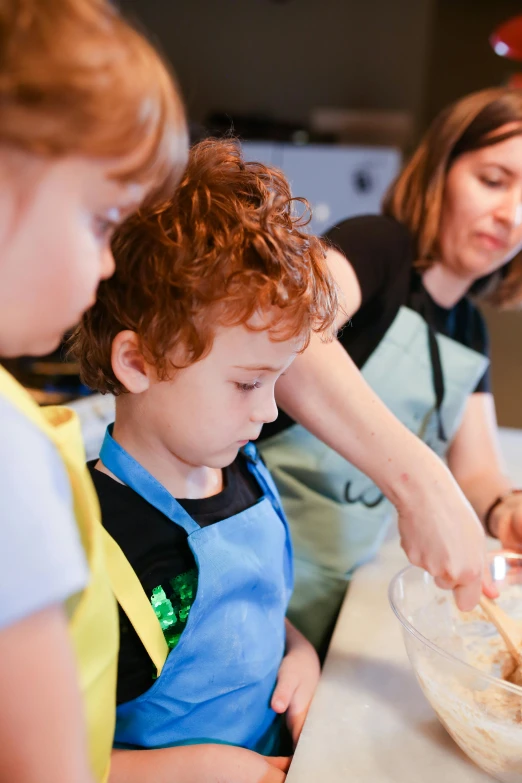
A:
x: 209, y: 410
x: 56, y: 222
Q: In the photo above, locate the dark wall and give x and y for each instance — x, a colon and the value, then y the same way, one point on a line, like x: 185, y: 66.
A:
x: 283, y: 59
x: 505, y: 331
x: 461, y: 59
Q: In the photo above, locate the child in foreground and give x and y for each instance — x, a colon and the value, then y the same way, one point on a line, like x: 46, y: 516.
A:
x: 213, y: 296
x: 90, y: 125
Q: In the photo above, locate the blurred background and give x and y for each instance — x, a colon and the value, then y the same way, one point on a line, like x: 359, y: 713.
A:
x: 335, y: 92
x: 345, y: 71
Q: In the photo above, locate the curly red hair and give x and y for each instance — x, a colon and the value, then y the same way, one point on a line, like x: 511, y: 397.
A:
x: 227, y: 246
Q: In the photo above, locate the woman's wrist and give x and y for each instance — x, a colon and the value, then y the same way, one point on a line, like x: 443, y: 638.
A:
x: 417, y: 479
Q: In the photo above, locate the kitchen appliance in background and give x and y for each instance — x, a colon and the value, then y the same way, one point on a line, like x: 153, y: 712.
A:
x: 338, y: 181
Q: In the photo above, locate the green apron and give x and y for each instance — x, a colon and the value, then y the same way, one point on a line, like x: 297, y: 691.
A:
x: 337, y: 515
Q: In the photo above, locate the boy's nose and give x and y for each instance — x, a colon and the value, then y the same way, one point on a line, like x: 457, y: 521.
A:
x: 265, y: 411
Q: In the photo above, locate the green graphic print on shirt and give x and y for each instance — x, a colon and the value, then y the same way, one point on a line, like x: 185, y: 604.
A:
x: 173, y: 610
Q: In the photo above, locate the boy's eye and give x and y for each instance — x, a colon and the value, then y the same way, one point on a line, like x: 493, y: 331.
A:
x: 246, y: 387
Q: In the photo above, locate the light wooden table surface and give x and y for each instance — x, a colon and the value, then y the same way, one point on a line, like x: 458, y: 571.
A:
x: 369, y: 721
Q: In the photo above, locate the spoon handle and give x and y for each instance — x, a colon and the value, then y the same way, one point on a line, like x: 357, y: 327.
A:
x: 501, y: 622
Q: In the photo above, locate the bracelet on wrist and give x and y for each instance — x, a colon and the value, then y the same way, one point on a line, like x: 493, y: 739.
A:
x: 494, y: 505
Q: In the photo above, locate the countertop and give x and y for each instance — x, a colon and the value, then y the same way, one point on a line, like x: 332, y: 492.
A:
x: 369, y: 721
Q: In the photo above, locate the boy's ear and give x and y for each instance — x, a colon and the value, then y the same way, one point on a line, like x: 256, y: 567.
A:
x: 128, y: 363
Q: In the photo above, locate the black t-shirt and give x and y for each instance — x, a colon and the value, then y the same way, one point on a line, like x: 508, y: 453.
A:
x: 381, y: 252
x: 158, y: 551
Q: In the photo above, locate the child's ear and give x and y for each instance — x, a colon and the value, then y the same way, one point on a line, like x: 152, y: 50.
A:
x: 128, y: 363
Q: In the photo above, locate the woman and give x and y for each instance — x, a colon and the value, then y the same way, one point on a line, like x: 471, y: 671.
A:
x: 452, y: 226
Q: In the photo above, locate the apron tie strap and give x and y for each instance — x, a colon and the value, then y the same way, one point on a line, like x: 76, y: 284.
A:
x: 425, y: 307
x: 438, y: 379
x: 133, y: 600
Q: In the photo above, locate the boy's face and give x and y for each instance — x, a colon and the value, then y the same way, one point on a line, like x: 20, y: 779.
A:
x: 56, y: 223
x: 209, y: 410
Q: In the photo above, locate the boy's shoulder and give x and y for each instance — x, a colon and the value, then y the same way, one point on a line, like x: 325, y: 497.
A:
x: 116, y: 499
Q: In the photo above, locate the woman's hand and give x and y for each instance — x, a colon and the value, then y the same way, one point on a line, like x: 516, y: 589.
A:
x: 441, y: 533
x: 505, y: 522
x: 296, y: 681
x: 476, y: 462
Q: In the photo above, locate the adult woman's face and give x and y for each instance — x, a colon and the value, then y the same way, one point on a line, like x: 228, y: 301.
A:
x: 481, y: 219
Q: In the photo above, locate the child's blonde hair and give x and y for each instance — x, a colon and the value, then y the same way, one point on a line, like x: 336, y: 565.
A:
x: 76, y: 78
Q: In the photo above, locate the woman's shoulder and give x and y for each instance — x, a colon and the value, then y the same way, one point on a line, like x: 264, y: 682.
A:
x: 380, y: 251
x: 370, y: 232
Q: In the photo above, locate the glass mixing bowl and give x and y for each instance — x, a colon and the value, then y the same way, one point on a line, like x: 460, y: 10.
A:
x: 459, y: 661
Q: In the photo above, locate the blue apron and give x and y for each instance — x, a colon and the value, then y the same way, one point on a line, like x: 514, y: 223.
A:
x: 217, y: 683
x: 337, y: 515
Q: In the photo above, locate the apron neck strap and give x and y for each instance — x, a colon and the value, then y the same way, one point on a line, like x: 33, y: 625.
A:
x: 259, y: 470
x: 134, y: 475
x: 426, y: 307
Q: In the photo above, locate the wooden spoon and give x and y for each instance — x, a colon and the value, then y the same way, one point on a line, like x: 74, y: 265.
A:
x: 511, y: 632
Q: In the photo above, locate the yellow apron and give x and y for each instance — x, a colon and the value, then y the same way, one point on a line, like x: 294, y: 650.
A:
x: 93, y: 620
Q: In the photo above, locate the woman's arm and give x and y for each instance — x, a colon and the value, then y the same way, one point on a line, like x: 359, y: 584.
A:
x: 475, y: 461
x: 324, y: 391
x: 348, y: 284
x: 42, y: 731
x: 474, y: 456
x: 196, y: 764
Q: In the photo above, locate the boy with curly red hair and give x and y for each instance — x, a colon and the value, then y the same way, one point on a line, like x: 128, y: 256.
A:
x: 214, y: 295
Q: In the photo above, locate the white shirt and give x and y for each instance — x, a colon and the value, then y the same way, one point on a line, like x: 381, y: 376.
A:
x: 42, y: 561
